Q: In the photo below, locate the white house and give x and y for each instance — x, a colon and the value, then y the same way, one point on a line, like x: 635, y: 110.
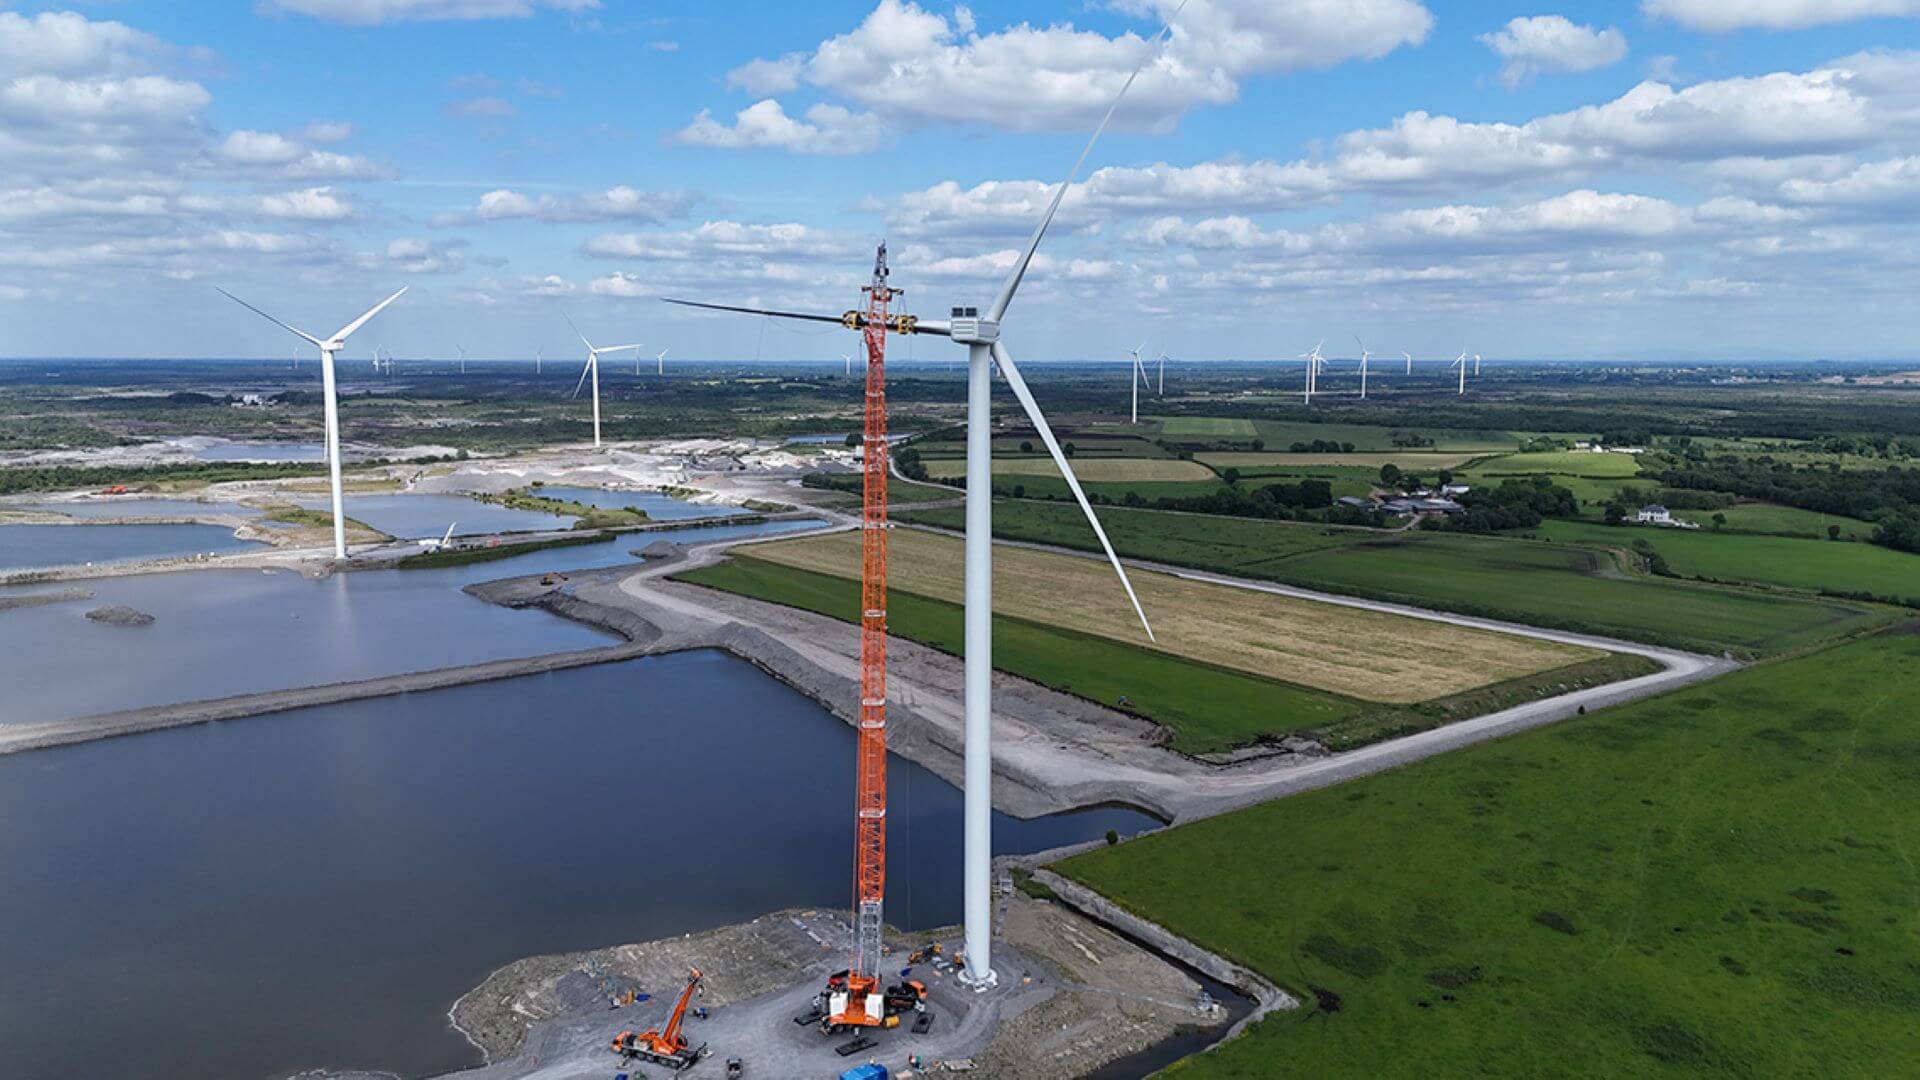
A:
x: 1653, y: 515
x: 1451, y: 490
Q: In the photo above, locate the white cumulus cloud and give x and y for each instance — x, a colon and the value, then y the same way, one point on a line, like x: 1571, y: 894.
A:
x: 1548, y: 43
x: 826, y: 129
x: 1720, y: 16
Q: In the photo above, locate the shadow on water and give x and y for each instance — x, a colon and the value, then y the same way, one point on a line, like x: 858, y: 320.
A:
x: 316, y: 888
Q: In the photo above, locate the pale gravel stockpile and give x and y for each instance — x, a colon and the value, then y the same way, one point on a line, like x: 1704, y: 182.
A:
x: 1369, y: 655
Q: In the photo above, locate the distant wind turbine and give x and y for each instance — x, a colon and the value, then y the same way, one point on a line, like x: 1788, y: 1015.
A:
x: 1409, y: 357
x: 660, y: 362
x: 847, y: 364
x: 1364, y: 357
x: 538, y: 355
x: 593, y: 369
x: 1476, y: 365
x: 1461, y: 363
x: 1136, y: 376
x: 328, y: 348
x: 463, y: 358
x: 1162, y: 392
x: 1314, y: 360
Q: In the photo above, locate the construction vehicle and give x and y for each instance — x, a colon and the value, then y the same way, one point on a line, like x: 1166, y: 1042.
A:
x: 665, y: 1046
x: 921, y: 956
x: 736, y: 1067
x: 116, y: 489
x: 881, y: 1009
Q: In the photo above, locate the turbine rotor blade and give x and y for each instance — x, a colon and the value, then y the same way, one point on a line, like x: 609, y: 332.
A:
x: 836, y: 319
x: 269, y: 318
x: 371, y: 312
x: 583, y: 378
x: 1012, y: 285
x: 1019, y: 387
x: 577, y: 333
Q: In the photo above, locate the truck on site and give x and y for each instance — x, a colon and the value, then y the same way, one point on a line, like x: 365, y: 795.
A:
x: 665, y: 1046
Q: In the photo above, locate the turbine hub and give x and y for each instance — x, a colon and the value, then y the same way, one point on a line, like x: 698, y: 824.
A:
x: 968, y: 328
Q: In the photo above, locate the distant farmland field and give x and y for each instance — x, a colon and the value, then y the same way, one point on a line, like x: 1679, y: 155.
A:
x: 1410, y: 460
x: 1211, y: 426
x: 1570, y: 462
x: 1793, y: 563
x: 1361, y: 654
x: 1110, y: 470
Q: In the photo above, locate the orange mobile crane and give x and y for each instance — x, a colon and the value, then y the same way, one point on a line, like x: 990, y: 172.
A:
x: 854, y: 998
x: 665, y: 1047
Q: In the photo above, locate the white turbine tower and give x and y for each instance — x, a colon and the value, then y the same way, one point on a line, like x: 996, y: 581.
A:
x: 1136, y: 376
x: 1476, y: 365
x: 462, y: 350
x: 593, y: 369
x: 982, y: 334
x: 1409, y: 357
x: 1314, y: 361
x: 1162, y: 391
x: 1461, y: 363
x: 1364, y: 357
x: 846, y: 360
x: 660, y: 362
x: 538, y: 356
x: 328, y: 348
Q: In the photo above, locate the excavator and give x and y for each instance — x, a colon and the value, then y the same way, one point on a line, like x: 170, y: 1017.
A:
x: 664, y: 1047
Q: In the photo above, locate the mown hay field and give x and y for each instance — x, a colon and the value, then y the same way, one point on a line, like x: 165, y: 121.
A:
x: 1212, y: 426
x: 1408, y: 460
x: 1362, y: 654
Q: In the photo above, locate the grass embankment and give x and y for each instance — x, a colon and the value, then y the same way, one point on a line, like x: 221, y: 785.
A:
x: 1808, y: 565
x: 1205, y: 708
x: 590, y: 516
x: 1717, y: 881
x: 429, y: 560
x: 1089, y: 471
x: 1553, y: 585
x: 357, y: 531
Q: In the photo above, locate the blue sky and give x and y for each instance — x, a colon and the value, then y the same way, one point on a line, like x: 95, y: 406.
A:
x: 1642, y: 179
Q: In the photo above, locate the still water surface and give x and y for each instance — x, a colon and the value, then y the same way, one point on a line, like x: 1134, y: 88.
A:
x: 25, y: 546
x: 110, y: 509
x: 414, y: 516
x: 224, y: 632
x: 317, y: 887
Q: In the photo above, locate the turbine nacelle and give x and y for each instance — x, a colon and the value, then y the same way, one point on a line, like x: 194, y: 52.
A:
x: 968, y: 328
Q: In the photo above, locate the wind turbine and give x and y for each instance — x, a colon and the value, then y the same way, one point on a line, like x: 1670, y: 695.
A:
x: 1162, y: 392
x: 593, y: 369
x: 1409, y: 357
x: 636, y: 358
x: 463, y: 357
x: 660, y: 361
x: 1476, y: 365
x: 1136, y: 376
x: 328, y: 348
x: 1314, y: 360
x: 982, y: 334
x: 1461, y: 363
x: 847, y: 364
x: 1364, y: 357
x: 538, y: 356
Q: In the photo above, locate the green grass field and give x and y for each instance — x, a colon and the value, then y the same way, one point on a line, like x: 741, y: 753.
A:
x: 1206, y: 708
x: 1717, y: 882
x: 1569, y: 462
x: 1788, y: 562
x: 1053, y: 487
x: 1212, y: 427
x: 1418, y: 461
x: 1089, y: 470
x: 1783, y: 521
x: 1562, y: 585
x: 1554, y: 585
x: 1280, y: 434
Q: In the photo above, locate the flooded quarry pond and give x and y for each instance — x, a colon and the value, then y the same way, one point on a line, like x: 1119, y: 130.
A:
x: 415, y: 516
x: 317, y: 887
x: 25, y: 547
x: 223, y: 632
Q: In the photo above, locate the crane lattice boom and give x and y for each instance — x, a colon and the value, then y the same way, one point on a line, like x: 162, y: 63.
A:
x: 870, y: 859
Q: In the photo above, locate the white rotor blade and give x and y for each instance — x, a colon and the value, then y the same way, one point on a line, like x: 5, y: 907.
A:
x: 577, y: 333
x: 264, y: 315
x: 605, y: 349
x: 1012, y: 285
x: 583, y: 378
x: 1019, y: 387
x: 371, y: 312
